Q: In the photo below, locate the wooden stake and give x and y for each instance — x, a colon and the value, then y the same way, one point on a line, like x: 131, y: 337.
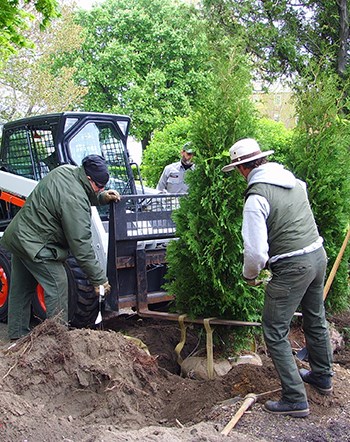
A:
x: 249, y: 400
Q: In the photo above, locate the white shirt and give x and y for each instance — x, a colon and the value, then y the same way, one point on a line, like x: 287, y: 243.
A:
x: 172, y: 179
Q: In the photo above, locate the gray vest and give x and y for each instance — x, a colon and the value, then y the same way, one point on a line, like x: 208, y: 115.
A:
x: 290, y: 225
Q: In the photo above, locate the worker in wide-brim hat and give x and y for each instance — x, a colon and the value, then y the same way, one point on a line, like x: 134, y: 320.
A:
x: 279, y: 233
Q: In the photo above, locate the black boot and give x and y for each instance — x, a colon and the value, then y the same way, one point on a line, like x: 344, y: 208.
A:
x: 322, y: 383
x: 294, y: 409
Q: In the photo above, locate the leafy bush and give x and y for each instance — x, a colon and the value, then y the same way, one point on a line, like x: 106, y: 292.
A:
x: 274, y: 135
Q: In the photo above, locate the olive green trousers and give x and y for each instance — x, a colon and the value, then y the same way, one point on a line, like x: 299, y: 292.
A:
x: 25, y: 276
x: 297, y: 281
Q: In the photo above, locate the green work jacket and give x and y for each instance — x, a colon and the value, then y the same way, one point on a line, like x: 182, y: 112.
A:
x: 57, y: 216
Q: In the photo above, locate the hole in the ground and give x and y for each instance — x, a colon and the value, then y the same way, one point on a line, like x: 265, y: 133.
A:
x: 161, y: 337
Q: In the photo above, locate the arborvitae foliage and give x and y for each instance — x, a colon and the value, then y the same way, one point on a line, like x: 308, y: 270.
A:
x: 320, y: 155
x: 205, y: 263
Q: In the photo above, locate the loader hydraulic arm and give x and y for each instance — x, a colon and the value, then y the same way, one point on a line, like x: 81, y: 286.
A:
x: 12, y: 199
x: 15, y: 189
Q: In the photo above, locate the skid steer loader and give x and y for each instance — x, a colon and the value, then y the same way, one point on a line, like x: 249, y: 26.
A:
x: 129, y: 237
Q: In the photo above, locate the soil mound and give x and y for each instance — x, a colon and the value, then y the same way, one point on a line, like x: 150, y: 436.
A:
x: 98, y: 385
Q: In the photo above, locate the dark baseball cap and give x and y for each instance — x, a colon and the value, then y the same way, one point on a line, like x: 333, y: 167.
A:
x: 96, y: 168
x: 187, y: 147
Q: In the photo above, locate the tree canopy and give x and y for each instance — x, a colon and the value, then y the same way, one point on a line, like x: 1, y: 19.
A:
x: 29, y: 81
x: 15, y: 17
x: 284, y: 36
x: 144, y: 58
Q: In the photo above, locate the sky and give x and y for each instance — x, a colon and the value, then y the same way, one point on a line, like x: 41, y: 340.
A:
x: 86, y: 4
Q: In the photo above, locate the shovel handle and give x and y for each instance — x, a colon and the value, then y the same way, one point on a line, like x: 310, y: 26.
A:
x: 335, y: 266
x: 249, y: 400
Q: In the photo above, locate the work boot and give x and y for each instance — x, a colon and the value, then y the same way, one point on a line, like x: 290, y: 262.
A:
x: 322, y: 383
x: 294, y: 409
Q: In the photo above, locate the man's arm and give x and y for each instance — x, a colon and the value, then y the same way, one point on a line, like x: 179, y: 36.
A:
x: 254, y: 232
x: 162, y: 183
x: 76, y: 224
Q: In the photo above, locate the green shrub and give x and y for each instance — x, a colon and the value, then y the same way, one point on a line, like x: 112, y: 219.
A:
x: 274, y: 135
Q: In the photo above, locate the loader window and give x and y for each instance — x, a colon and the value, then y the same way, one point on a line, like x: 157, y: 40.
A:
x: 86, y: 142
x: 103, y: 139
x: 18, y: 158
x: 30, y: 152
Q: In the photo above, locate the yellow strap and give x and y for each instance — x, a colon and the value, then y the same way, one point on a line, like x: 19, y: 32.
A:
x: 210, y: 357
x: 182, y: 342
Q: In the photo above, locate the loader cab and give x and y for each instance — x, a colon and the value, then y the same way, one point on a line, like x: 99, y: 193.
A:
x: 33, y: 146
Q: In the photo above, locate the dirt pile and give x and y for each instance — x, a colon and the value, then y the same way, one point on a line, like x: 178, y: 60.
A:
x: 81, y: 376
x: 96, y: 385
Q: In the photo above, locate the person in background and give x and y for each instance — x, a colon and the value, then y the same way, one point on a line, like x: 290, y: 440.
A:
x: 172, y: 179
x: 55, y: 219
x: 279, y: 232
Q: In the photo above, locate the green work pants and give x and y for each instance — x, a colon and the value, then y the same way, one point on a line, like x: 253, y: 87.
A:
x: 25, y: 276
x: 297, y: 281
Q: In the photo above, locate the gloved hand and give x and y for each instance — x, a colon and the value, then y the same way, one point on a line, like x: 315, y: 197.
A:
x: 106, y: 286
x: 253, y: 282
x: 111, y: 195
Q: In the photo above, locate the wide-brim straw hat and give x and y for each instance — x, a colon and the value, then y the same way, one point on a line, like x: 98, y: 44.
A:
x: 243, y: 151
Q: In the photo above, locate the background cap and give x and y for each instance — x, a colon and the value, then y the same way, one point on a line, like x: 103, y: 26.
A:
x: 187, y: 147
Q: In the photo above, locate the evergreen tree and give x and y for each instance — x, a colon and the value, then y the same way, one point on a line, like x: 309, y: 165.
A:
x: 205, y: 264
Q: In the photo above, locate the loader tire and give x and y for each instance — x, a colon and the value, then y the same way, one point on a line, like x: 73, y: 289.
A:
x: 38, y: 304
x: 5, y: 273
x: 82, y: 300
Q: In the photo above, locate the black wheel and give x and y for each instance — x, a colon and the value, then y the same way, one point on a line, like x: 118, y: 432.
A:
x: 82, y: 300
x: 5, y: 274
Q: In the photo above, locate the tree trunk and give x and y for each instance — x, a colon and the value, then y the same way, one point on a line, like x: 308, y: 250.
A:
x: 343, y: 36
x: 145, y: 141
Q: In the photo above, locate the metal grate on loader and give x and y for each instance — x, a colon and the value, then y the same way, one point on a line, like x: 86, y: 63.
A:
x: 30, y: 152
x: 145, y: 217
